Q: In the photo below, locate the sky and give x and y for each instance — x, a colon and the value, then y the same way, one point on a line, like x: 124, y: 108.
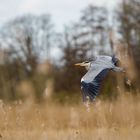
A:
x: 62, y: 11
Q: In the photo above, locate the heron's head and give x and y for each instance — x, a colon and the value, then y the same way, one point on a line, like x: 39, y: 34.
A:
x: 84, y: 64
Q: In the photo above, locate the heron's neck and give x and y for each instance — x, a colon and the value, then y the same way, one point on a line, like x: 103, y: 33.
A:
x: 87, y: 66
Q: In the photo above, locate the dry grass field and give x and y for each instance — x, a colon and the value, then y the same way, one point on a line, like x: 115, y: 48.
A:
x: 118, y: 120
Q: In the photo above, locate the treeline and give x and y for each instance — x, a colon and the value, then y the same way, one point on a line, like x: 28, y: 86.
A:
x: 28, y: 70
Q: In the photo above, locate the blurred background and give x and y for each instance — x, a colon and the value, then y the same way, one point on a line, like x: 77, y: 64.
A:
x: 41, y: 40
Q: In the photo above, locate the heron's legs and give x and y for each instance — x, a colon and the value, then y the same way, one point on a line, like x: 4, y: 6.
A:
x: 87, y: 103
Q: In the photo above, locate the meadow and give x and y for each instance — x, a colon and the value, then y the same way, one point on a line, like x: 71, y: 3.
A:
x: 105, y: 120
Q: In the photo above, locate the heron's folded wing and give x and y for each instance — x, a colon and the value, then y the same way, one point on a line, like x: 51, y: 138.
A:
x: 91, y: 89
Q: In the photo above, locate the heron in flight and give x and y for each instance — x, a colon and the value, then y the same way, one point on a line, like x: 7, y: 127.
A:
x: 97, y: 69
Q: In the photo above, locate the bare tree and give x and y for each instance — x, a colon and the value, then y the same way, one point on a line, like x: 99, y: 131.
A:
x: 80, y: 41
x: 128, y: 19
x: 27, y: 41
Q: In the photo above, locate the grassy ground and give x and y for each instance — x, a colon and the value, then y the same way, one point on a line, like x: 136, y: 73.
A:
x: 118, y: 120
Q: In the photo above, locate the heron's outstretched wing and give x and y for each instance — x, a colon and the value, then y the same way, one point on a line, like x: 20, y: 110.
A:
x: 91, y: 89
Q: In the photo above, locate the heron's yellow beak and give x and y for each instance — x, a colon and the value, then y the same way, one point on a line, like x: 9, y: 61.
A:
x: 79, y: 64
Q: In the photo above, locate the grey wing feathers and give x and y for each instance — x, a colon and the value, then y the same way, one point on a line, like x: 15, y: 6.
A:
x: 91, y: 81
x: 97, y: 66
x: 91, y: 89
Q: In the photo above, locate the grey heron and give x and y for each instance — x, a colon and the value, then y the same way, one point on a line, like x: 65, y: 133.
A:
x: 97, y: 69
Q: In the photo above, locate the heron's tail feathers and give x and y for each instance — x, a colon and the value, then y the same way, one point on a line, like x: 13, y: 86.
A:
x: 115, y: 60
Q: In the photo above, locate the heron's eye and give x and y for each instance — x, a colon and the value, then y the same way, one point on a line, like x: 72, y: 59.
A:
x: 86, y: 62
